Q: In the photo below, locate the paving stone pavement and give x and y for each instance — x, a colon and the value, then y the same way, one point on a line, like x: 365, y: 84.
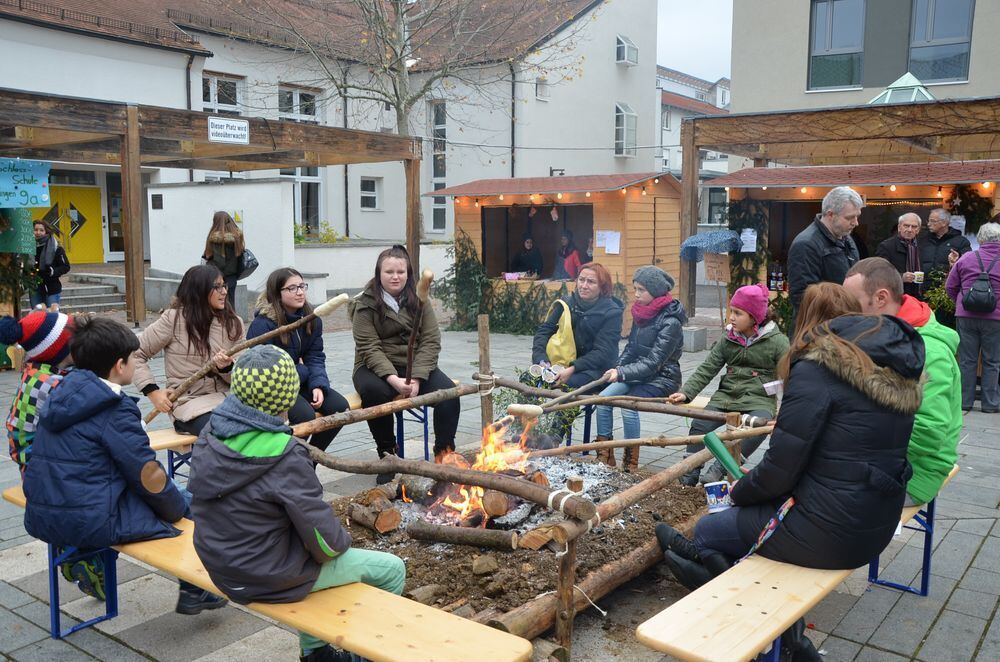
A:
x: 957, y: 622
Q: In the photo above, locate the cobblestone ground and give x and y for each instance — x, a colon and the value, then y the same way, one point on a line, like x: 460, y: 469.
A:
x: 957, y: 622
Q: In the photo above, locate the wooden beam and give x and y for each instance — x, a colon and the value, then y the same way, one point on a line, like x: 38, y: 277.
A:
x: 133, y: 202
x: 18, y: 108
x: 411, y: 169
x: 690, y: 161
x: 39, y: 137
x: 105, y: 152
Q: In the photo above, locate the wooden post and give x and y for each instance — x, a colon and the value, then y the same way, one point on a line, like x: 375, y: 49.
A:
x: 411, y: 168
x: 566, y: 589
x: 485, y: 401
x: 736, y: 450
x: 689, y: 208
x: 133, y: 203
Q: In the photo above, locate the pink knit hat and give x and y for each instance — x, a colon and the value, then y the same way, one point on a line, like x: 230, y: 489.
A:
x: 753, y: 299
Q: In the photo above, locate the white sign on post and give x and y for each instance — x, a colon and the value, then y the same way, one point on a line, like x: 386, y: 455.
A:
x: 228, y: 130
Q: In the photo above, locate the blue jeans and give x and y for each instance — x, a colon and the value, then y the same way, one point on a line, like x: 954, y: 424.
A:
x: 37, y: 299
x: 630, y: 418
x: 720, y: 533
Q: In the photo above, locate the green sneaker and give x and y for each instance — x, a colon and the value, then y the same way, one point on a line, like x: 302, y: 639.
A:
x: 89, y: 576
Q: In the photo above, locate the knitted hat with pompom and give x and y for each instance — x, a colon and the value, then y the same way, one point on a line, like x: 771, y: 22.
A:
x: 44, y: 336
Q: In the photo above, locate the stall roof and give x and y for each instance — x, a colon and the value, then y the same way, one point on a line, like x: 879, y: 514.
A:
x: 949, y: 172
x: 547, y: 185
x: 687, y: 103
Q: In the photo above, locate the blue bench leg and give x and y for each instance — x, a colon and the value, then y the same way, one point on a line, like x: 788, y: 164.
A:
x: 588, y: 411
x: 427, y: 453
x: 70, y: 554
x: 175, y: 461
x: 772, y: 655
x: 400, y: 451
x: 925, y: 524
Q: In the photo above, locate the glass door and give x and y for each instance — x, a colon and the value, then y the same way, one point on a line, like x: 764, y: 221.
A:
x: 114, y: 238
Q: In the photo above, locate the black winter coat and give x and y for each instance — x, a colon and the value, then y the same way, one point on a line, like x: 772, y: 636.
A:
x: 894, y: 250
x: 52, y: 272
x: 816, y: 257
x: 934, y: 250
x: 305, y: 347
x: 839, y: 447
x: 596, y: 331
x: 652, y: 354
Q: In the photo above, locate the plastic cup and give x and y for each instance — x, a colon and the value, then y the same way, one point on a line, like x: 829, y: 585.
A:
x: 717, y: 496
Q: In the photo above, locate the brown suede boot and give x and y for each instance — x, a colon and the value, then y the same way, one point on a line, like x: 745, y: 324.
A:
x: 630, y: 459
x: 607, y: 456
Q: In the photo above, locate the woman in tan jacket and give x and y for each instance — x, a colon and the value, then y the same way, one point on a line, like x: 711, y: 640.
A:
x: 382, y: 317
x: 199, y: 326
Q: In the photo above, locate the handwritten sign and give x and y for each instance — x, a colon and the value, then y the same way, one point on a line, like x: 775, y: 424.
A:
x: 24, y: 183
x: 228, y: 130
x: 16, y: 231
x: 717, y: 267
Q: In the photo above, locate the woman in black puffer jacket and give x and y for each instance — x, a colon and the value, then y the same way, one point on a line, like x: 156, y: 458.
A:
x: 649, y: 366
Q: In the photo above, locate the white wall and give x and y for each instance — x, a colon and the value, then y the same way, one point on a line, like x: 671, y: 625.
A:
x: 177, y: 232
x: 352, y: 264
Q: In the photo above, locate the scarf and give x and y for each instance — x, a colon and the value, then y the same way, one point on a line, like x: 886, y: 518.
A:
x: 912, y: 255
x: 390, y: 301
x: 644, y: 313
x: 48, y: 252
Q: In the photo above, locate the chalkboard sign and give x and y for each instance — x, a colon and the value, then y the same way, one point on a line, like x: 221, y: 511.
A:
x: 16, y: 234
x: 24, y: 183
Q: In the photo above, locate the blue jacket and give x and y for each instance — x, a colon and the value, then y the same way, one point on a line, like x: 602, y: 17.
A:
x: 84, y: 482
x: 305, y: 348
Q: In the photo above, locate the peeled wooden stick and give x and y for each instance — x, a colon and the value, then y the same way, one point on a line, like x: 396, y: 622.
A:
x: 528, y: 412
x: 423, y: 294
x: 319, y: 311
x: 651, y: 441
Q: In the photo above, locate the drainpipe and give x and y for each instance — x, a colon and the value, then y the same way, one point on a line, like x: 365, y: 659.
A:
x: 187, y: 87
x: 513, y: 116
x: 347, y: 188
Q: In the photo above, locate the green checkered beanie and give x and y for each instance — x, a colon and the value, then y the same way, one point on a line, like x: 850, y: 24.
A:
x: 264, y: 377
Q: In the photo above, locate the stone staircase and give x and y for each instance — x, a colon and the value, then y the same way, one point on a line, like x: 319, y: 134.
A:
x: 86, y: 298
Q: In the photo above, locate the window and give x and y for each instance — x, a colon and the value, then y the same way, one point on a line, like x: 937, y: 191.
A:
x: 666, y: 161
x: 439, y: 163
x: 701, y: 96
x: 725, y: 97
x: 626, y: 52
x: 717, y: 204
x: 221, y: 94
x: 371, y: 187
x: 625, y: 123
x: 665, y: 118
x: 542, y: 89
x: 836, y: 43
x: 305, y: 197
x: 297, y: 105
x: 941, y: 36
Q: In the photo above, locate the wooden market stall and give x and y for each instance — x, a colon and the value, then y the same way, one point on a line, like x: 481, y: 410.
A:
x: 633, y: 219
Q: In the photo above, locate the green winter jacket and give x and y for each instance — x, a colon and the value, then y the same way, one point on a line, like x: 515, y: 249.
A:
x: 937, y: 425
x: 380, y: 341
x: 747, y: 370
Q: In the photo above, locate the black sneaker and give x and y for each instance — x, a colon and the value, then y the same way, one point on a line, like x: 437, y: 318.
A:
x: 194, y: 601
x: 690, y: 479
x: 326, y: 654
x: 672, y: 540
x: 382, y: 479
x: 689, y: 574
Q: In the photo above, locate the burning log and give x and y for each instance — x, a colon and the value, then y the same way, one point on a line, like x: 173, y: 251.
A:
x: 458, y: 535
x: 651, y: 441
x: 379, y: 497
x: 415, y: 488
x: 561, y: 500
x: 536, y: 616
x: 381, y: 522
x: 496, y: 504
x: 425, y: 594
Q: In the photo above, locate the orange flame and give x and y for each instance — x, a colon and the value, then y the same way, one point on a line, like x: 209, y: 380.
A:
x: 406, y: 499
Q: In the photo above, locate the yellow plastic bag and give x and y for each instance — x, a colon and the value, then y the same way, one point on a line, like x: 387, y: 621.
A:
x: 561, y: 348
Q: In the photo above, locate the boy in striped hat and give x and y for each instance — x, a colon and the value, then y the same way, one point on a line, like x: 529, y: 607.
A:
x: 45, y: 338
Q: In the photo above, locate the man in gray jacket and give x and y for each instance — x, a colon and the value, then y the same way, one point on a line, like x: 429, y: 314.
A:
x: 262, y: 528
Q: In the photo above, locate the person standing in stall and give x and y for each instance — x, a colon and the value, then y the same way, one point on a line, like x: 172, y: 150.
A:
x: 567, y: 265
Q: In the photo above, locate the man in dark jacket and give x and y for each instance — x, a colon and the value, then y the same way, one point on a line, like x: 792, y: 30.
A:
x: 93, y: 481
x: 262, y: 529
x: 942, y: 245
x: 824, y: 251
x: 903, y: 252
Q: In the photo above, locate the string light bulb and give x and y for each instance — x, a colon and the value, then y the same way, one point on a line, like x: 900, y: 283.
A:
x: 656, y: 181
x: 588, y: 194
x: 987, y: 185
x: 763, y: 188
x: 559, y: 196
x: 477, y: 202
x: 940, y: 193
x: 803, y: 189
x: 644, y: 190
x: 892, y: 187
x: 624, y: 191
x: 726, y: 189
x: 500, y: 197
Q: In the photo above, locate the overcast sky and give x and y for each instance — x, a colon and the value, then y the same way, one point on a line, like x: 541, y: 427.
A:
x: 695, y: 36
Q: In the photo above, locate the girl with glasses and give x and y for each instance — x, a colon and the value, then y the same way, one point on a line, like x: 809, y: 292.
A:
x: 282, y: 302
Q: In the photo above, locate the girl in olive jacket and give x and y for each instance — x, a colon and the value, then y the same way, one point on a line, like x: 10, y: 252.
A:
x: 383, y: 317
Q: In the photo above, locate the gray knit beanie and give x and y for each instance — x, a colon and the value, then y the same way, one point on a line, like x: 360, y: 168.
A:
x: 656, y: 281
x: 265, y: 378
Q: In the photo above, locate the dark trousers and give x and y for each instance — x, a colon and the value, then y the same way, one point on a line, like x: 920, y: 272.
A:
x: 231, y: 292
x: 747, y: 446
x: 194, y: 426
x: 376, y: 391
x: 580, y: 378
x: 303, y: 412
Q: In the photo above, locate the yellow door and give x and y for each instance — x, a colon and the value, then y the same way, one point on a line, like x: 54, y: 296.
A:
x: 76, y: 211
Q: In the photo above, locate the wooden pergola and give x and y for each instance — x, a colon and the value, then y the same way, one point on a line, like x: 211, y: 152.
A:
x: 58, y: 128
x: 951, y: 130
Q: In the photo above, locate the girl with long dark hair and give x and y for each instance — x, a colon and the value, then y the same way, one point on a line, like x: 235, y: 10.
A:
x: 383, y: 319
x: 200, y: 325
x: 223, y: 248
x: 282, y: 302
x: 50, y: 265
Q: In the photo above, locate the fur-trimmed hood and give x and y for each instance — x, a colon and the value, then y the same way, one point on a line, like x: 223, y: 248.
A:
x: 222, y: 238
x: 895, y: 348
x: 264, y: 308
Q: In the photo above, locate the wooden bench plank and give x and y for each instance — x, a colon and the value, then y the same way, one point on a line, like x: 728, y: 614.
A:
x: 739, y: 613
x: 365, y: 620
x: 170, y: 439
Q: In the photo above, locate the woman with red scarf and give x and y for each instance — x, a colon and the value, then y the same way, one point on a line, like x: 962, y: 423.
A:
x: 649, y: 367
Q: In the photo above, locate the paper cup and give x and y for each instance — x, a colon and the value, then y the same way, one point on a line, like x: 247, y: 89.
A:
x: 773, y: 388
x: 918, y: 276
x: 717, y: 496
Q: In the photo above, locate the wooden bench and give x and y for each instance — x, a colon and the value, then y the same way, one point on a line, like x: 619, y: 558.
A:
x: 738, y: 614
x: 364, y: 620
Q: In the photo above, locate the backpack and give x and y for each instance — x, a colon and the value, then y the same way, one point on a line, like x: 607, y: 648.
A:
x: 981, y: 298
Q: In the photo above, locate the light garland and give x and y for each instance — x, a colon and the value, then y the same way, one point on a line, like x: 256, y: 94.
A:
x: 912, y: 203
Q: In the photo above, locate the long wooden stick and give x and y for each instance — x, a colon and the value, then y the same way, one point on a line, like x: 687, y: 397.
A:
x: 319, y: 311
x: 651, y: 441
x: 460, y: 535
x: 423, y: 289
x: 571, y: 505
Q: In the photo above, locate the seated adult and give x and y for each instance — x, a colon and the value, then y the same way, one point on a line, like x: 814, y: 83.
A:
x: 282, y: 302
x: 199, y: 326
x: 529, y: 260
x: 831, y: 485
x: 567, y: 266
x: 903, y: 252
x: 937, y: 425
x: 597, y: 328
x: 383, y: 319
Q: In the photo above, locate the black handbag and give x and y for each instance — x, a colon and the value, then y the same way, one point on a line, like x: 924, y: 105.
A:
x: 248, y: 264
x: 981, y: 298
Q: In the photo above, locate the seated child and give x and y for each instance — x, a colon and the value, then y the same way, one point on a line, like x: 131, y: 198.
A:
x: 262, y: 528
x: 45, y: 338
x: 93, y: 481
